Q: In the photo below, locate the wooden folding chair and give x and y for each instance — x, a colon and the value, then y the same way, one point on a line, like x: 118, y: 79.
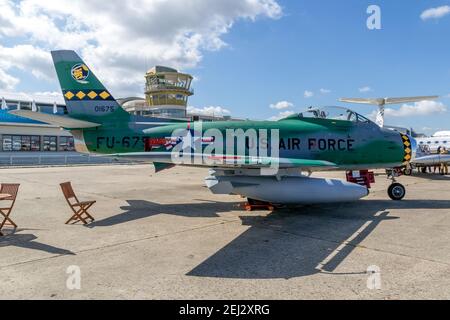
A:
x: 80, y: 209
x: 9, y: 192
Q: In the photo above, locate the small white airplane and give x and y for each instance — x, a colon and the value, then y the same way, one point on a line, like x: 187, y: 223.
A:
x: 429, y: 150
x: 431, y: 144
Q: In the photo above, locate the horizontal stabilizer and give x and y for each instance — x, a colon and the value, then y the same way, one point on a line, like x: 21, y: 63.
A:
x: 162, y: 166
x: 59, y: 121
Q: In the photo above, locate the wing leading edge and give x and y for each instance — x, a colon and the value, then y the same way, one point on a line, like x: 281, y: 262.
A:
x: 226, y: 161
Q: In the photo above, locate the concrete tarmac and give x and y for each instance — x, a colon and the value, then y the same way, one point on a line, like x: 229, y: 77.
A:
x: 165, y: 236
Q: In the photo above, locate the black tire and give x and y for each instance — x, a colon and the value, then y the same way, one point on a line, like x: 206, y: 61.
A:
x: 396, y: 191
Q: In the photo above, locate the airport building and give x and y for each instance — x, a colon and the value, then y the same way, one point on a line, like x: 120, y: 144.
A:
x: 18, y: 134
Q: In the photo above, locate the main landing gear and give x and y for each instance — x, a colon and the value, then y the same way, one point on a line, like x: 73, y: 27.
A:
x: 396, y: 191
x: 252, y: 205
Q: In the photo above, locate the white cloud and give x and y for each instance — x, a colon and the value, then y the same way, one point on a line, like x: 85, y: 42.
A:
x: 120, y: 43
x: 365, y: 89
x: 7, y: 82
x: 282, y: 115
x: 28, y: 58
x: 208, y: 111
x: 308, y: 94
x: 325, y: 91
x: 282, y: 105
x: 423, y: 108
x: 435, y: 13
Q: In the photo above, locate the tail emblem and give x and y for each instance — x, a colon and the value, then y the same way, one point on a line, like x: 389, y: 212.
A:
x: 80, y: 72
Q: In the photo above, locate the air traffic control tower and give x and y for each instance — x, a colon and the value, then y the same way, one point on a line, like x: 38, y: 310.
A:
x: 167, y: 92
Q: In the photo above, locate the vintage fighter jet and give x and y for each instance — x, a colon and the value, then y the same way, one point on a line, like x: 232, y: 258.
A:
x: 264, y: 161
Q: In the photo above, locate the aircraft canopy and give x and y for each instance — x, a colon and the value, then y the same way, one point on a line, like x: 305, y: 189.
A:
x: 332, y: 113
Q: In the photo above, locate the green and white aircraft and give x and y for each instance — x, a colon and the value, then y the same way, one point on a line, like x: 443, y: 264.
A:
x: 264, y: 161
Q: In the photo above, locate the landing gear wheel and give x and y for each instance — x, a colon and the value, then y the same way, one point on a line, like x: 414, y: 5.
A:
x: 396, y: 191
x: 407, y: 172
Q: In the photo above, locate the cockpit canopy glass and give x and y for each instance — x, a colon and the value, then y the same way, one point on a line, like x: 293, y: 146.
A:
x: 333, y: 113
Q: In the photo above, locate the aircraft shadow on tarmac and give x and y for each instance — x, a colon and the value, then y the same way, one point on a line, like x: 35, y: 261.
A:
x: 28, y: 241
x: 303, y: 241
x: 140, y: 209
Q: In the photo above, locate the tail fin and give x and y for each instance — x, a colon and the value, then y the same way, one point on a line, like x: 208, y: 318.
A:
x: 86, y: 97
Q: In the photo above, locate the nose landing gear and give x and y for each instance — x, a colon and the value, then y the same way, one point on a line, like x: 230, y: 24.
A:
x: 396, y: 191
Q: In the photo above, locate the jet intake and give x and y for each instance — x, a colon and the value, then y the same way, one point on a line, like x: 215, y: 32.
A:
x: 288, y: 190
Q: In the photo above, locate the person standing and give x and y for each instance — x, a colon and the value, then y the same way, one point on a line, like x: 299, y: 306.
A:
x: 438, y: 166
x: 444, y: 166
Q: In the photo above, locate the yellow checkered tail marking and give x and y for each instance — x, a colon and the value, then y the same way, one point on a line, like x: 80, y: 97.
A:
x: 80, y: 95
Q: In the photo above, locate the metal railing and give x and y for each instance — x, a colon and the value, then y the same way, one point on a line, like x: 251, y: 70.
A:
x: 168, y: 87
x: 163, y: 102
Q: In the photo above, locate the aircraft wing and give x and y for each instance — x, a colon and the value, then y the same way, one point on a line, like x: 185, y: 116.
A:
x: 385, y: 101
x: 410, y: 99
x: 225, y: 161
x: 362, y: 101
x: 59, y: 121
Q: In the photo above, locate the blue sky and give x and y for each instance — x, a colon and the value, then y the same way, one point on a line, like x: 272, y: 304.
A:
x: 251, y: 55
x: 326, y: 45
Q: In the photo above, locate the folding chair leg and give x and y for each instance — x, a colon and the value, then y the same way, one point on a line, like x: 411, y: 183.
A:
x: 87, y: 213
x: 8, y: 221
x: 70, y: 219
x: 5, y: 215
x: 84, y: 211
x: 77, y: 217
x: 89, y: 216
x: 1, y: 226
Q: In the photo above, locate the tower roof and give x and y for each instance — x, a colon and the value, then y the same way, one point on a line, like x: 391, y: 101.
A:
x: 161, y: 69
